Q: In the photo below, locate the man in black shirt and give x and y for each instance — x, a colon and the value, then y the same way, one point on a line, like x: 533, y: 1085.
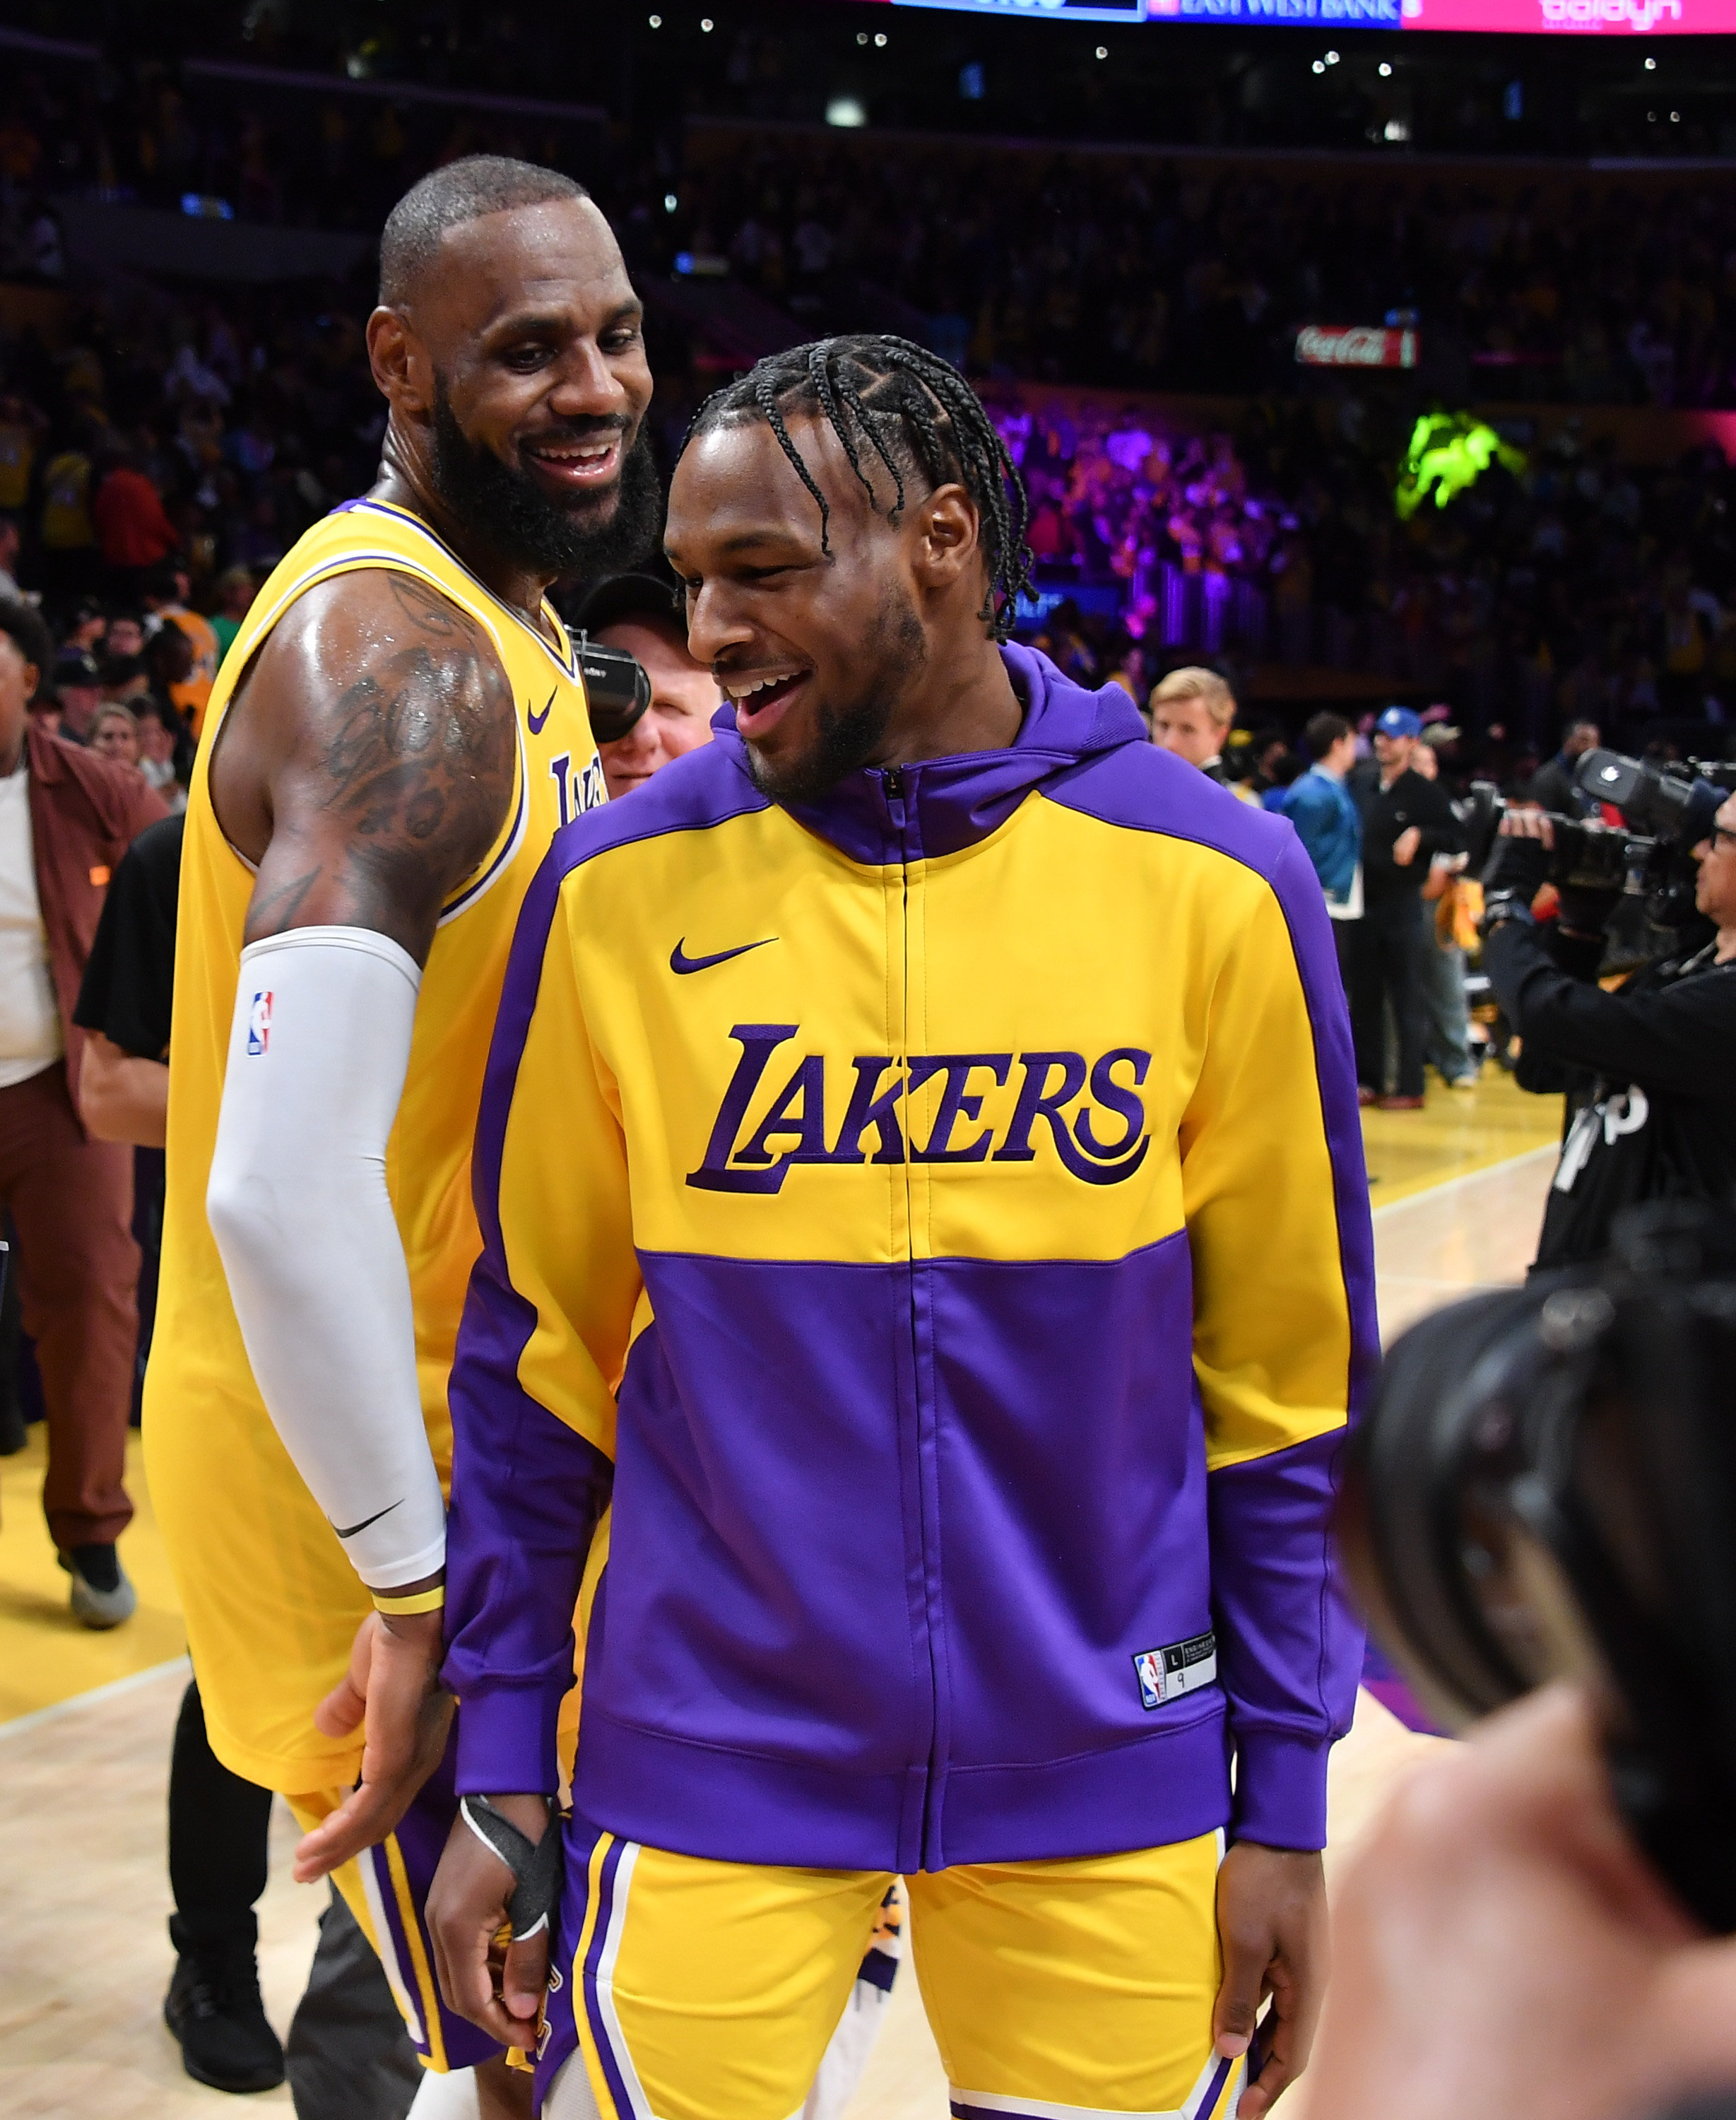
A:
x: 1658, y: 1116
x: 1406, y: 820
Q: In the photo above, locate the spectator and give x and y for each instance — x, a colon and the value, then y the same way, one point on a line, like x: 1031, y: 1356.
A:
x: 1330, y: 826
x: 125, y: 633
x: 166, y: 590
x: 236, y: 589
x: 636, y: 612
x: 114, y: 735
x: 77, y: 684
x: 66, y: 819
x: 1447, y: 1019
x: 1406, y: 820
x: 1552, y: 787
x: 134, y: 531
x: 70, y: 556
x: 1192, y: 711
x: 164, y: 752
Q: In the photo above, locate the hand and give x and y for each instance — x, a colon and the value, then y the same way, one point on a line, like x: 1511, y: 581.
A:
x: 1503, y: 1949
x: 1404, y: 847
x: 1521, y: 861
x: 1584, y: 912
x: 467, y: 1911
x: 1272, y: 1927
x: 393, y: 1683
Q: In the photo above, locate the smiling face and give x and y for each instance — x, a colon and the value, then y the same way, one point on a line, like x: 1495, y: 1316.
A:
x: 518, y: 386
x: 683, y: 697
x: 825, y: 655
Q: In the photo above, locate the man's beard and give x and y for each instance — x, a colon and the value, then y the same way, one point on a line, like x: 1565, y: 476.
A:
x: 508, y: 512
x: 846, y: 737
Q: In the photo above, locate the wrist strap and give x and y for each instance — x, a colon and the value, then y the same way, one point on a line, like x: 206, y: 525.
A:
x: 535, y: 1865
x: 424, y: 1600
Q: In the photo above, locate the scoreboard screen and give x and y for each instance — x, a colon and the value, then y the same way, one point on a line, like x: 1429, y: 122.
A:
x: 1605, y: 18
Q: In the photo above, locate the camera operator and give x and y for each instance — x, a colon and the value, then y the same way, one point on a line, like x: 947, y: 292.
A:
x: 1535, y: 1518
x: 1658, y: 1120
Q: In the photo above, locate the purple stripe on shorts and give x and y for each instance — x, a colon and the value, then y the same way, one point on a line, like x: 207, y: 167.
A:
x: 593, y: 1959
x: 1216, y: 2091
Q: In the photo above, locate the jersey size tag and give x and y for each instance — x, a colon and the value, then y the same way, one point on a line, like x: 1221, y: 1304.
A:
x: 259, y: 1022
x: 1183, y: 1667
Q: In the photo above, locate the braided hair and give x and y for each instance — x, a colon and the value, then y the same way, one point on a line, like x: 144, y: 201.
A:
x: 889, y: 398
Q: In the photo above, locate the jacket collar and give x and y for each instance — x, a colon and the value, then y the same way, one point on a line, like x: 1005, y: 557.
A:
x: 947, y: 804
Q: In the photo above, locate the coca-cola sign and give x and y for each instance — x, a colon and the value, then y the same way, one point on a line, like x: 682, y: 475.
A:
x: 1356, y: 346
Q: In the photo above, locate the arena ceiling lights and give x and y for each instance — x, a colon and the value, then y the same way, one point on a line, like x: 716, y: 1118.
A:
x: 1608, y: 18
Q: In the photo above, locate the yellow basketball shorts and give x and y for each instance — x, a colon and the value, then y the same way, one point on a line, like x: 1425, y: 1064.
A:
x: 385, y: 1887
x: 683, y: 1989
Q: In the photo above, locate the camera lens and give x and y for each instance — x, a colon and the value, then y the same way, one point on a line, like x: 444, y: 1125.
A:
x: 1433, y: 1547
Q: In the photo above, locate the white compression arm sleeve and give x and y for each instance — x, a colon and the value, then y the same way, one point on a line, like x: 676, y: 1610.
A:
x: 318, y: 1054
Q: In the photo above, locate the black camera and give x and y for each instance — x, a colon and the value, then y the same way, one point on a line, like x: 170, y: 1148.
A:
x: 1666, y: 812
x: 617, y: 689
x: 1546, y: 1487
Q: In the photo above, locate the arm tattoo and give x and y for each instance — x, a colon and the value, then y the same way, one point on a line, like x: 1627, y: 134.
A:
x: 413, y: 764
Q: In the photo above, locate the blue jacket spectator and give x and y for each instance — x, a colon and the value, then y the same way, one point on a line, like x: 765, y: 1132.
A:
x: 1323, y: 811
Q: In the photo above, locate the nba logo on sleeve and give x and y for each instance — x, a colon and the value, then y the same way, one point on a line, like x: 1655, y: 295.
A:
x: 259, y: 1022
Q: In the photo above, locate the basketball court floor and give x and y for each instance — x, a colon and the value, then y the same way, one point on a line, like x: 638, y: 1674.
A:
x: 85, y: 1719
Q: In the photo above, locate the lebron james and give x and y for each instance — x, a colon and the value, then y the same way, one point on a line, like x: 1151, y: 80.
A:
x: 397, y: 734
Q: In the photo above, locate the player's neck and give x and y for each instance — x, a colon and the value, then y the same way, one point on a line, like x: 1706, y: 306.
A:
x: 968, y: 706
x: 400, y: 484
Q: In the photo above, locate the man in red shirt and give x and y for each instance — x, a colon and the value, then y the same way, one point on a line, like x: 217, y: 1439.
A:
x: 131, y: 529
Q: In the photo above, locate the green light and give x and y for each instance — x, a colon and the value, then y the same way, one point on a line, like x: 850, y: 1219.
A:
x: 1449, y: 452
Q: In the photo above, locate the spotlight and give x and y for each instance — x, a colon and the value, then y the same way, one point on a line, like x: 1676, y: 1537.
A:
x: 1102, y: 51
x: 657, y: 21
x: 862, y: 36
x: 1651, y: 65
x: 1385, y: 70
x: 670, y: 201
x: 880, y: 41
x: 1320, y: 65
x: 1332, y: 58
x: 706, y: 24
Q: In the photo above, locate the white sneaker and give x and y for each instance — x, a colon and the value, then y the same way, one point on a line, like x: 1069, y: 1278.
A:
x: 99, y: 1609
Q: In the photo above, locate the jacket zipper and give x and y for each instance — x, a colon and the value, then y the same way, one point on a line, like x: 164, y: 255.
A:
x: 893, y: 782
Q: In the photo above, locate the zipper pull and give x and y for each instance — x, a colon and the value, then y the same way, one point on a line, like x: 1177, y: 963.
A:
x: 894, y: 784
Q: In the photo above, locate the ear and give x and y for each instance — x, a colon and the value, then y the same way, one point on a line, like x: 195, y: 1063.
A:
x: 401, y: 368
x: 948, y: 537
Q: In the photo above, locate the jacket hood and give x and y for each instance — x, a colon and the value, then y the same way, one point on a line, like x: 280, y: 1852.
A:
x: 947, y: 804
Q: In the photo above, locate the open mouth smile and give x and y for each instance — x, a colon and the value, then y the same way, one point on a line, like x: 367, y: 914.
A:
x: 761, y: 699
x: 577, y: 464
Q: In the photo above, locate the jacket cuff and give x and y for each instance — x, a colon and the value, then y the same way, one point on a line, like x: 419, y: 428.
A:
x: 1280, y: 1789
x: 507, y: 1742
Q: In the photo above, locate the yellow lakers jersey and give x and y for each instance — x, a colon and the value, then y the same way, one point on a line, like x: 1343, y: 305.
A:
x: 271, y: 1600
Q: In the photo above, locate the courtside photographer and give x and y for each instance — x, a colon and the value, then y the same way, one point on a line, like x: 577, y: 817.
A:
x: 1650, y: 1070
x: 1537, y: 1518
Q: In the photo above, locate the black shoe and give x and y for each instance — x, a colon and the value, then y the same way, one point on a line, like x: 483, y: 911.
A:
x: 213, y: 2008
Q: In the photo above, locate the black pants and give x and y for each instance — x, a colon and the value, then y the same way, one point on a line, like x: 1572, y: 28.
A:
x: 1385, y: 969
x: 217, y: 1828
x: 348, y: 2055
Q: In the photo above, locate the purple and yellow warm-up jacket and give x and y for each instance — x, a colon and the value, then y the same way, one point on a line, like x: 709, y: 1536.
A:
x: 932, y: 1223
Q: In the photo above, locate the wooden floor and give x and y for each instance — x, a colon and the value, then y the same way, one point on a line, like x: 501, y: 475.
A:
x: 83, y: 1951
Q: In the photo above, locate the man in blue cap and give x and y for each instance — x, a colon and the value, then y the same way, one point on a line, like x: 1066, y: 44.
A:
x: 1406, y: 820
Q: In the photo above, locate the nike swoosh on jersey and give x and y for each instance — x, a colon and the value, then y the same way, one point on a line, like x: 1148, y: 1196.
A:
x: 680, y: 962
x: 535, y: 720
x: 366, y: 1521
